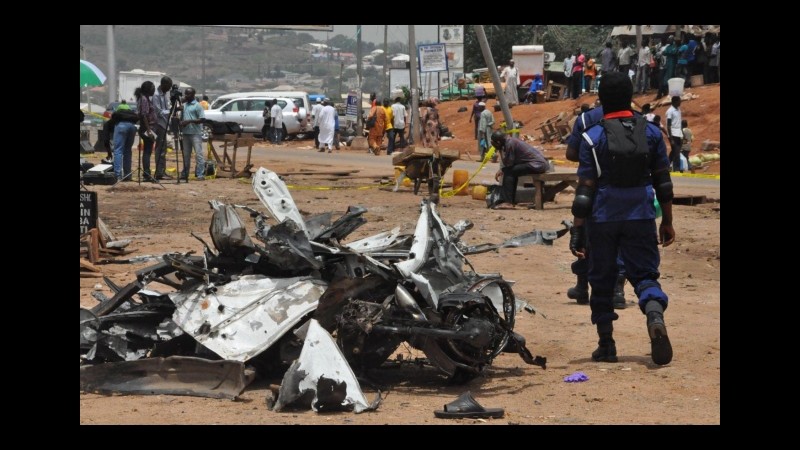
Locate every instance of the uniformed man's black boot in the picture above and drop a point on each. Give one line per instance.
(619, 293)
(607, 348)
(660, 347)
(580, 292)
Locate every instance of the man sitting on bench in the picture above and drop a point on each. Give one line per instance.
(517, 157)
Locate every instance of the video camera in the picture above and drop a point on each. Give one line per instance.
(175, 94)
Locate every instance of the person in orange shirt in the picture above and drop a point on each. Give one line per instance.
(376, 132)
(204, 102)
(589, 74)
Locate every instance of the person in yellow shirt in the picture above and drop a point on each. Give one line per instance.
(204, 102)
(389, 125)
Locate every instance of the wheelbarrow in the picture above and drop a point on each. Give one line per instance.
(429, 169)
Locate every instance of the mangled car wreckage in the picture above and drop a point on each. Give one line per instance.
(247, 300)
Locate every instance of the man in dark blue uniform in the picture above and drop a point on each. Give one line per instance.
(623, 161)
(580, 292)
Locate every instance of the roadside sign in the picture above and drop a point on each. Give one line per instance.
(88, 211)
(351, 112)
(432, 58)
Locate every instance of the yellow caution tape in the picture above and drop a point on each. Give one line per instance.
(694, 175)
(453, 192)
(511, 131)
(99, 116)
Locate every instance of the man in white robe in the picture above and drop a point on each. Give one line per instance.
(327, 124)
(511, 76)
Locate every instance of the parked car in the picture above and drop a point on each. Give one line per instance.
(248, 113)
(113, 107)
(302, 96)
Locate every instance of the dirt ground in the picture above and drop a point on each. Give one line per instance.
(632, 391)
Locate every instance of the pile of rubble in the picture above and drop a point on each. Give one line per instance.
(272, 302)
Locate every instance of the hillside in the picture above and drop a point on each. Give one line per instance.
(177, 50)
(702, 114)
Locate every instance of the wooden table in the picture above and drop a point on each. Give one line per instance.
(548, 193)
(227, 162)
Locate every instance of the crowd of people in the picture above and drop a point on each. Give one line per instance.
(649, 67)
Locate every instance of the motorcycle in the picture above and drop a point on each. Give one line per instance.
(244, 299)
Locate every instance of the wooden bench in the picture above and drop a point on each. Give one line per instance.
(548, 193)
(228, 161)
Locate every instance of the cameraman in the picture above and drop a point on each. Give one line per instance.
(161, 103)
(191, 127)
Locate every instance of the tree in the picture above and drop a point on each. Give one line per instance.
(555, 38)
(501, 38)
(344, 43)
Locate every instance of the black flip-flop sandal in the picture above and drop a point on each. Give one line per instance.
(465, 406)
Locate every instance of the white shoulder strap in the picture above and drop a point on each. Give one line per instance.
(594, 153)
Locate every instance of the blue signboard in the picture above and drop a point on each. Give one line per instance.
(352, 106)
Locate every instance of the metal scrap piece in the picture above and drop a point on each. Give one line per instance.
(176, 375)
(288, 247)
(227, 230)
(323, 370)
(376, 243)
(241, 319)
(275, 196)
(420, 247)
(541, 237)
(349, 222)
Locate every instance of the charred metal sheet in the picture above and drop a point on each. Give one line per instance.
(322, 370)
(241, 319)
(317, 224)
(341, 290)
(376, 243)
(176, 375)
(540, 237)
(345, 225)
(192, 266)
(288, 247)
(275, 196)
(89, 328)
(111, 285)
(123, 295)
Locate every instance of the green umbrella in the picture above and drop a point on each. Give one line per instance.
(91, 75)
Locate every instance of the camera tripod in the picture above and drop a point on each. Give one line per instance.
(174, 124)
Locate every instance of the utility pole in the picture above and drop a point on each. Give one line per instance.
(112, 65)
(341, 71)
(359, 119)
(487, 57)
(203, 67)
(415, 127)
(85, 90)
(385, 60)
(638, 38)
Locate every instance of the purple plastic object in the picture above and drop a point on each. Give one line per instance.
(576, 377)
